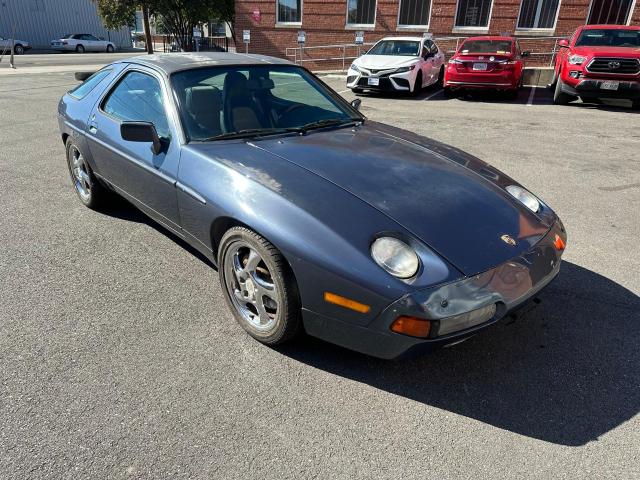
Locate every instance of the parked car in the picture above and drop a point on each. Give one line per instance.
(599, 61)
(82, 42)
(19, 46)
(487, 63)
(397, 64)
(318, 219)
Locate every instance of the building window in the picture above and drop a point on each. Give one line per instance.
(609, 12)
(361, 12)
(538, 14)
(473, 13)
(414, 13)
(289, 11)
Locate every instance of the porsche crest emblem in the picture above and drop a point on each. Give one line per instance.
(508, 240)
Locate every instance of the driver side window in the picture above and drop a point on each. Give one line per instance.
(138, 98)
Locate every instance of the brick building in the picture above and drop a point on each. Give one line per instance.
(274, 23)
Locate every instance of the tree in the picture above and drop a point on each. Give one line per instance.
(122, 13)
(179, 16)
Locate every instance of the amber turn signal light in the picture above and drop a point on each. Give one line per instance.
(559, 243)
(346, 302)
(416, 327)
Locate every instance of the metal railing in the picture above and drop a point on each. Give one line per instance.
(348, 51)
(218, 44)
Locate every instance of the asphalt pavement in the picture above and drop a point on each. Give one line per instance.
(119, 358)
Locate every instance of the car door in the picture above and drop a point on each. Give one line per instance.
(426, 62)
(146, 178)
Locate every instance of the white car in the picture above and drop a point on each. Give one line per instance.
(82, 42)
(401, 64)
(19, 47)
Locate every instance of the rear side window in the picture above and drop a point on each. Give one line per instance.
(138, 97)
(89, 84)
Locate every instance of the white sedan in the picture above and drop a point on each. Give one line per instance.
(19, 46)
(82, 42)
(402, 64)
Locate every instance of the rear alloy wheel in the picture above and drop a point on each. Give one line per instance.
(79, 49)
(18, 49)
(109, 48)
(560, 97)
(417, 86)
(259, 288)
(91, 193)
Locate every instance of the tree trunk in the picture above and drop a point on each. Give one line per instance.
(148, 39)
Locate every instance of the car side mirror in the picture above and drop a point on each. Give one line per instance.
(563, 44)
(356, 103)
(141, 132)
(525, 54)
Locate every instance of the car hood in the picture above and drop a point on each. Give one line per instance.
(447, 199)
(624, 52)
(384, 61)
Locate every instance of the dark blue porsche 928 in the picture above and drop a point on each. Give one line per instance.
(319, 220)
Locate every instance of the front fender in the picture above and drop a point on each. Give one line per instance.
(323, 231)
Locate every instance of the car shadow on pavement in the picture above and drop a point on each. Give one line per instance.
(567, 372)
(121, 209)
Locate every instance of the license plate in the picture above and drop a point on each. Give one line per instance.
(373, 81)
(479, 66)
(56, 44)
(609, 85)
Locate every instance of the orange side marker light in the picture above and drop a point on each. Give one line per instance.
(346, 302)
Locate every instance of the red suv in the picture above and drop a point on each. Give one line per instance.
(600, 61)
(494, 63)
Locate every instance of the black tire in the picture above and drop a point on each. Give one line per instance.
(79, 49)
(18, 49)
(440, 77)
(357, 90)
(560, 97)
(449, 93)
(287, 316)
(110, 49)
(92, 194)
(417, 86)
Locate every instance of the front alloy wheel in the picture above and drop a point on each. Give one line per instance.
(259, 287)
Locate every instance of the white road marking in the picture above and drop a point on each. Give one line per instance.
(531, 95)
(432, 95)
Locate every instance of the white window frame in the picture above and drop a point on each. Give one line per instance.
(629, 15)
(400, 26)
(361, 26)
(537, 30)
(289, 24)
(461, 29)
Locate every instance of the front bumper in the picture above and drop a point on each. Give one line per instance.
(509, 286)
(591, 87)
(396, 82)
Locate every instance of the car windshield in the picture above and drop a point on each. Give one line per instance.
(499, 47)
(406, 48)
(222, 102)
(66, 35)
(609, 38)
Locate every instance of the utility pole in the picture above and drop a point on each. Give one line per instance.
(147, 28)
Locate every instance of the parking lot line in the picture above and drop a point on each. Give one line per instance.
(531, 95)
(344, 91)
(433, 95)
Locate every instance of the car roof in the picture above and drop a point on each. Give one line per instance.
(173, 62)
(494, 37)
(414, 39)
(610, 27)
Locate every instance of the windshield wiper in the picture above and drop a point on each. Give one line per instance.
(327, 122)
(249, 132)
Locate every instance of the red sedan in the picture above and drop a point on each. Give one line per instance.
(493, 63)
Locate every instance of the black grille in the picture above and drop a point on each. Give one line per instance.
(623, 66)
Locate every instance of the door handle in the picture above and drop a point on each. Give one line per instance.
(93, 127)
